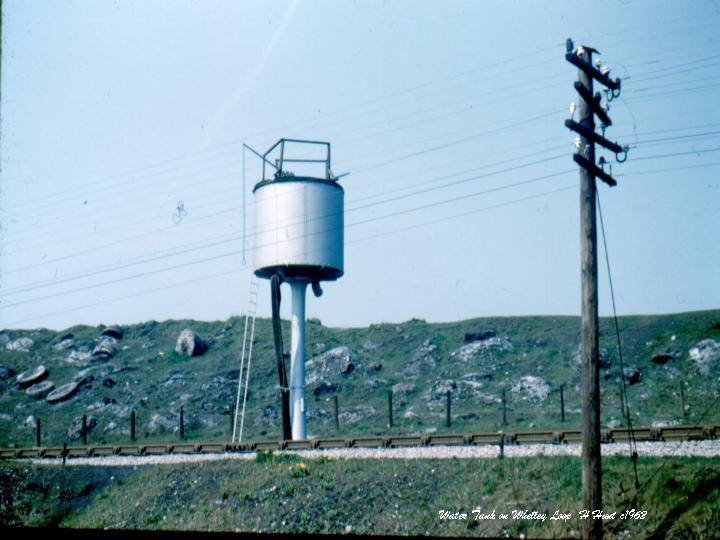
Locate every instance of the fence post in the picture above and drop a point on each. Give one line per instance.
(562, 403)
(335, 413)
(447, 415)
(390, 409)
(504, 408)
(622, 405)
(182, 423)
(83, 429)
(502, 445)
(682, 400)
(37, 432)
(64, 452)
(132, 425)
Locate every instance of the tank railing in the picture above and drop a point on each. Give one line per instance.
(279, 162)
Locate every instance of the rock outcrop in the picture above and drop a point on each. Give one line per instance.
(425, 358)
(74, 432)
(706, 355)
(22, 344)
(632, 375)
(479, 349)
(330, 365)
(530, 388)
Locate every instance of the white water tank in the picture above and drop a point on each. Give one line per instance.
(299, 227)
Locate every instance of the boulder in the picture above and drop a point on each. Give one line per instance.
(189, 343)
(664, 356)
(6, 373)
(22, 344)
(40, 390)
(478, 376)
(105, 349)
(479, 335)
(530, 388)
(146, 327)
(74, 432)
(706, 355)
(31, 376)
(632, 375)
(63, 344)
(81, 355)
(66, 391)
(114, 332)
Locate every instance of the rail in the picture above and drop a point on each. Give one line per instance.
(671, 433)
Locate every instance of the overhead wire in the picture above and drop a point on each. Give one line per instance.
(232, 236)
(375, 218)
(220, 242)
(195, 280)
(548, 48)
(632, 440)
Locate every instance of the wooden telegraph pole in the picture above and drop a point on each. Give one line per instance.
(592, 467)
(588, 107)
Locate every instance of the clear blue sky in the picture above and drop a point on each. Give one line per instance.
(114, 111)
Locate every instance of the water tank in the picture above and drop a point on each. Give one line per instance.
(298, 221)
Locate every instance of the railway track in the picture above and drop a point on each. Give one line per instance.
(642, 434)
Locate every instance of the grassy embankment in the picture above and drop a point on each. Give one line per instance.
(288, 494)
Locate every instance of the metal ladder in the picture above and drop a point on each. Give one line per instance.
(247, 346)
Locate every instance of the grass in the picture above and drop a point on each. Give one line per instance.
(150, 378)
(366, 496)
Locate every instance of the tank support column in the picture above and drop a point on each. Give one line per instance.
(297, 359)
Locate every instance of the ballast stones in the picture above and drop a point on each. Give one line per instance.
(31, 376)
(63, 392)
(40, 390)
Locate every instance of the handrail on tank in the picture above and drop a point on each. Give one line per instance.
(279, 162)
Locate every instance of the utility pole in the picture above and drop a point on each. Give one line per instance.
(588, 107)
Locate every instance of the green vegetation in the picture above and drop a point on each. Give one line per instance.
(148, 376)
(364, 496)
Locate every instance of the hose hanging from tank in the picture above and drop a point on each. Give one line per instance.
(275, 282)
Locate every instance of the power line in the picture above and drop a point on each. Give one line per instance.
(231, 236)
(232, 153)
(632, 442)
(385, 233)
(234, 208)
(235, 252)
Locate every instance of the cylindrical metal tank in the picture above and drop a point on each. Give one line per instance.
(299, 228)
